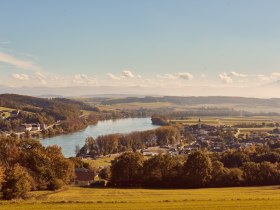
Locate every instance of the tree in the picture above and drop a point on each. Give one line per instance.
(251, 173)
(127, 169)
(198, 169)
(233, 177)
(218, 173)
(234, 159)
(161, 171)
(2, 175)
(105, 173)
(17, 183)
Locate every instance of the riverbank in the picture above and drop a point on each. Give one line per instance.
(68, 142)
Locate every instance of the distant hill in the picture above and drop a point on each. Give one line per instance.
(178, 100)
(21, 101)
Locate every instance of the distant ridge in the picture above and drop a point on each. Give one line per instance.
(192, 100)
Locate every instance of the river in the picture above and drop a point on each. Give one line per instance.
(68, 142)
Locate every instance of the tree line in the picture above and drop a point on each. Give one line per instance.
(197, 170)
(116, 143)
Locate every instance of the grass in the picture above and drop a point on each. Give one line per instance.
(101, 162)
(5, 108)
(73, 198)
(7, 111)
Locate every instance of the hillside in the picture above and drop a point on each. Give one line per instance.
(42, 110)
(28, 102)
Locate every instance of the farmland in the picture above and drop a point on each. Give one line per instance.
(91, 198)
(230, 121)
(6, 111)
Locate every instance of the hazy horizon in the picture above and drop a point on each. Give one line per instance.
(184, 48)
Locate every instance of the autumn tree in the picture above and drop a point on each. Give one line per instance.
(17, 184)
(127, 169)
(198, 169)
(161, 171)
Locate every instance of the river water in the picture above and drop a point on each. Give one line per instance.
(68, 142)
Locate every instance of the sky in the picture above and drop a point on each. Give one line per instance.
(165, 47)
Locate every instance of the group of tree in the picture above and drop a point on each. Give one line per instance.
(160, 120)
(26, 165)
(116, 143)
(198, 169)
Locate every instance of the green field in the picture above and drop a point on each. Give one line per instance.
(101, 162)
(230, 121)
(75, 198)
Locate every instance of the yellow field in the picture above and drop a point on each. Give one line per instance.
(254, 198)
(6, 111)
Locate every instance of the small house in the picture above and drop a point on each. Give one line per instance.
(83, 177)
(26, 127)
(14, 113)
(36, 127)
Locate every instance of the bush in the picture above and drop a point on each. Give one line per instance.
(17, 183)
(56, 184)
(99, 184)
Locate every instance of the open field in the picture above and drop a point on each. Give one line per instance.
(6, 111)
(229, 120)
(108, 199)
(5, 108)
(137, 105)
(101, 162)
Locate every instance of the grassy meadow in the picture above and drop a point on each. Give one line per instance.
(74, 198)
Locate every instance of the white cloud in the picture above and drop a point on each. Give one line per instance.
(225, 78)
(235, 74)
(22, 77)
(186, 76)
(22, 64)
(275, 75)
(263, 77)
(84, 80)
(167, 76)
(112, 76)
(127, 74)
(41, 77)
(228, 77)
(179, 75)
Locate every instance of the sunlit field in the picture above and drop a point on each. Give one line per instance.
(138, 199)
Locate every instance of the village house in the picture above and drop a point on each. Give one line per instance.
(83, 177)
(36, 127)
(14, 113)
(25, 127)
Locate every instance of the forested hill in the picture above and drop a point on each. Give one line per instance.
(28, 102)
(57, 108)
(191, 100)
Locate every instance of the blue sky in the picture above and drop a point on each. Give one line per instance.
(179, 43)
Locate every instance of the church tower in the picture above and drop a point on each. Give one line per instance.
(199, 123)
